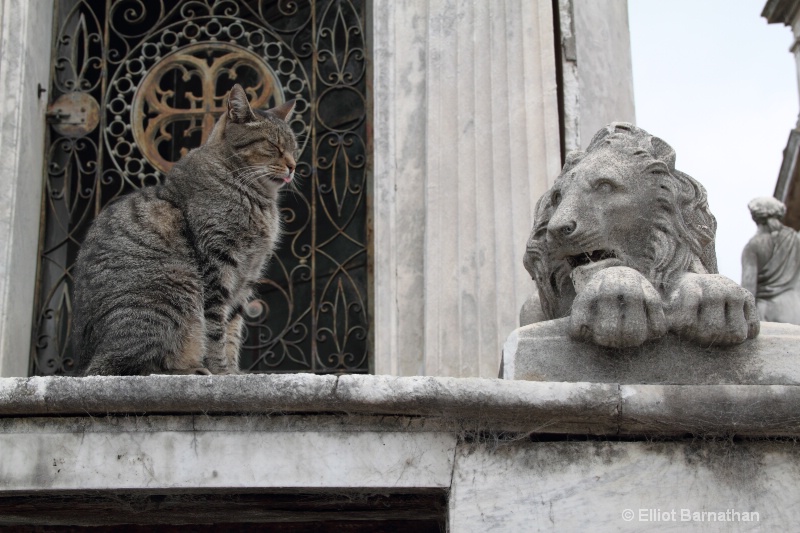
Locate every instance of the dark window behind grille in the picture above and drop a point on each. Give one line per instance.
(137, 84)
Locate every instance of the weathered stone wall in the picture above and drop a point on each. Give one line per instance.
(466, 140)
(604, 64)
(597, 70)
(499, 451)
(625, 486)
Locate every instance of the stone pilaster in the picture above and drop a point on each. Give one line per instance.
(25, 27)
(466, 139)
(596, 68)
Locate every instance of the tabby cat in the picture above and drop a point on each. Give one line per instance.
(164, 273)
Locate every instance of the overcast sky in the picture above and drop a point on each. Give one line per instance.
(718, 83)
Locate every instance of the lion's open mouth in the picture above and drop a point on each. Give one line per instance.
(590, 257)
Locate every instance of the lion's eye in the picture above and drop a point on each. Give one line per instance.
(604, 186)
(659, 169)
(555, 199)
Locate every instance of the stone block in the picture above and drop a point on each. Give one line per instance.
(160, 453)
(625, 486)
(460, 404)
(486, 404)
(545, 352)
(710, 410)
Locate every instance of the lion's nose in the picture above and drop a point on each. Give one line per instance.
(564, 229)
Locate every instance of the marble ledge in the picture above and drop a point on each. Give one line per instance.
(449, 404)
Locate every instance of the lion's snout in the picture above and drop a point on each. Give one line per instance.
(562, 230)
(563, 226)
(562, 236)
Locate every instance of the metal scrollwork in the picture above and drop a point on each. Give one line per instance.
(158, 109)
(159, 71)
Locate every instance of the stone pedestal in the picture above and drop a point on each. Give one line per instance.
(474, 454)
(544, 352)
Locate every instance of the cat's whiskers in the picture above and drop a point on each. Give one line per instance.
(247, 176)
(243, 188)
(292, 187)
(266, 170)
(248, 167)
(248, 171)
(250, 178)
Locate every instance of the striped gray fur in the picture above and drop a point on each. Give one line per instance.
(164, 273)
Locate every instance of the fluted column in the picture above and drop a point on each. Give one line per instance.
(465, 141)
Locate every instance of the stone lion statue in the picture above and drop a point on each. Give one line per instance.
(623, 244)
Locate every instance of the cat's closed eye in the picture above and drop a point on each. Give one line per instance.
(275, 146)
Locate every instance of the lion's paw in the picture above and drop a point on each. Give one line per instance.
(617, 308)
(712, 309)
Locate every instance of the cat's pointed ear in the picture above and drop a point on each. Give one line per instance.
(238, 107)
(284, 111)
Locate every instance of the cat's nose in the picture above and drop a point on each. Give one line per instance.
(291, 165)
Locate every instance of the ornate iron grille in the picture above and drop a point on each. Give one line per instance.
(137, 83)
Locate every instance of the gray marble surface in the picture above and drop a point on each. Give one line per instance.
(544, 351)
(509, 455)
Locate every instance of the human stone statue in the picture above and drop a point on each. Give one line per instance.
(771, 263)
(623, 245)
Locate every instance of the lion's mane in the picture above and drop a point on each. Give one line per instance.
(682, 239)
